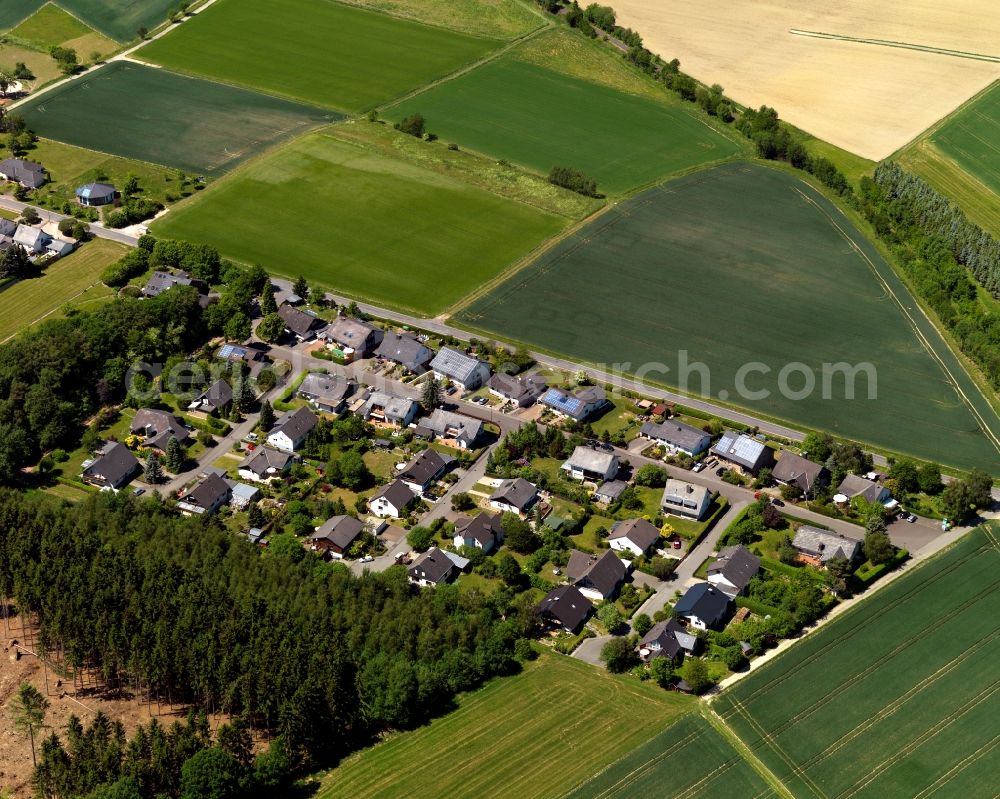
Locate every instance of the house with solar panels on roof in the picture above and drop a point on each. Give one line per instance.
(744, 451)
(578, 406)
(94, 195)
(467, 371)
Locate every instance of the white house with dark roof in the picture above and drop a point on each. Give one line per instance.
(351, 338)
(685, 499)
(514, 496)
(704, 606)
(587, 463)
(114, 467)
(424, 469)
(733, 569)
(326, 393)
(482, 532)
(292, 429)
(522, 391)
(391, 500)
(386, 409)
(298, 323)
(677, 437)
(406, 350)
(667, 639)
(744, 451)
(210, 494)
(466, 370)
(579, 405)
(597, 576)
(264, 464)
(157, 428)
(214, 400)
(462, 431)
(635, 536)
(432, 568)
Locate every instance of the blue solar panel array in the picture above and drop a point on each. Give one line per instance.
(561, 401)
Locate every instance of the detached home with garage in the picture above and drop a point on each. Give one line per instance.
(744, 451)
(597, 577)
(634, 536)
(817, 547)
(27, 173)
(326, 393)
(216, 400)
(704, 606)
(677, 437)
(667, 639)
(265, 464)
(733, 570)
(114, 467)
(210, 494)
(469, 372)
(157, 427)
(454, 428)
(514, 496)
(685, 499)
(424, 469)
(432, 568)
(803, 474)
(481, 532)
(391, 500)
(587, 463)
(292, 430)
(298, 323)
(522, 391)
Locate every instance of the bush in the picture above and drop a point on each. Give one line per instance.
(573, 180)
(617, 654)
(412, 125)
(420, 538)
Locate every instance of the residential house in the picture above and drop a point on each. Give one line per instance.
(93, 195)
(565, 608)
(432, 568)
(8, 227)
(424, 469)
(733, 569)
(162, 281)
(794, 470)
(59, 247)
(335, 535)
(32, 239)
(482, 532)
(817, 546)
(252, 358)
(667, 639)
(454, 428)
(704, 606)
(467, 371)
(391, 500)
(587, 463)
(243, 496)
(580, 405)
(388, 410)
(298, 323)
(215, 401)
(265, 464)
(635, 536)
(744, 451)
(514, 496)
(597, 577)
(609, 492)
(27, 173)
(677, 437)
(406, 350)
(114, 467)
(522, 391)
(685, 499)
(326, 393)
(856, 486)
(157, 428)
(292, 429)
(351, 338)
(210, 494)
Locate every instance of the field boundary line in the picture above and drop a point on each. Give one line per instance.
(958, 768)
(927, 735)
(991, 436)
(49, 313)
(746, 752)
(922, 48)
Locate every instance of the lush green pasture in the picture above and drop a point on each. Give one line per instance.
(497, 19)
(745, 265)
(318, 51)
(120, 19)
(13, 12)
(154, 115)
(971, 138)
(538, 117)
(29, 301)
(534, 735)
(420, 240)
(689, 758)
(896, 697)
(49, 26)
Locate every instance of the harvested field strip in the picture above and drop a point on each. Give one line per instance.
(923, 48)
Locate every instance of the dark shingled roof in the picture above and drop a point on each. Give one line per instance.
(397, 493)
(299, 322)
(566, 606)
(517, 492)
(484, 528)
(424, 467)
(157, 427)
(434, 565)
(295, 424)
(704, 601)
(114, 466)
(406, 350)
(639, 531)
(796, 470)
(341, 531)
(737, 564)
(603, 573)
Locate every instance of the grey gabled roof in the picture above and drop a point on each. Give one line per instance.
(265, 460)
(639, 531)
(566, 605)
(704, 601)
(517, 492)
(795, 469)
(396, 493)
(603, 572)
(684, 494)
(856, 486)
(742, 449)
(483, 528)
(114, 464)
(393, 407)
(27, 172)
(406, 350)
(339, 530)
(677, 434)
(825, 544)
(425, 466)
(669, 635)
(465, 428)
(158, 427)
(456, 365)
(218, 395)
(209, 491)
(591, 460)
(299, 322)
(332, 389)
(433, 565)
(737, 564)
(350, 332)
(611, 489)
(161, 281)
(296, 424)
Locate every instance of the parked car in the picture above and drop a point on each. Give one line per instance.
(720, 471)
(251, 437)
(676, 543)
(367, 559)
(139, 491)
(910, 518)
(777, 502)
(697, 467)
(607, 447)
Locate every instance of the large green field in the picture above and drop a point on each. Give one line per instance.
(539, 117)
(118, 19)
(896, 697)
(420, 240)
(689, 759)
(154, 115)
(497, 19)
(533, 736)
(74, 279)
(13, 12)
(318, 51)
(744, 265)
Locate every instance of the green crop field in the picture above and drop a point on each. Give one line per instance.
(51, 26)
(28, 301)
(896, 697)
(154, 115)
(533, 736)
(13, 12)
(117, 19)
(689, 758)
(419, 241)
(743, 265)
(497, 19)
(539, 117)
(318, 51)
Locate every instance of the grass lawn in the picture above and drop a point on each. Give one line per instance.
(420, 241)
(528, 114)
(691, 530)
(743, 265)
(380, 462)
(689, 759)
(496, 738)
(588, 539)
(621, 418)
(895, 697)
(70, 167)
(29, 301)
(165, 118)
(51, 26)
(42, 66)
(317, 51)
(495, 19)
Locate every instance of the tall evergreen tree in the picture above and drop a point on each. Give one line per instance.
(431, 397)
(267, 303)
(266, 417)
(153, 473)
(175, 455)
(27, 712)
(245, 396)
(300, 287)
